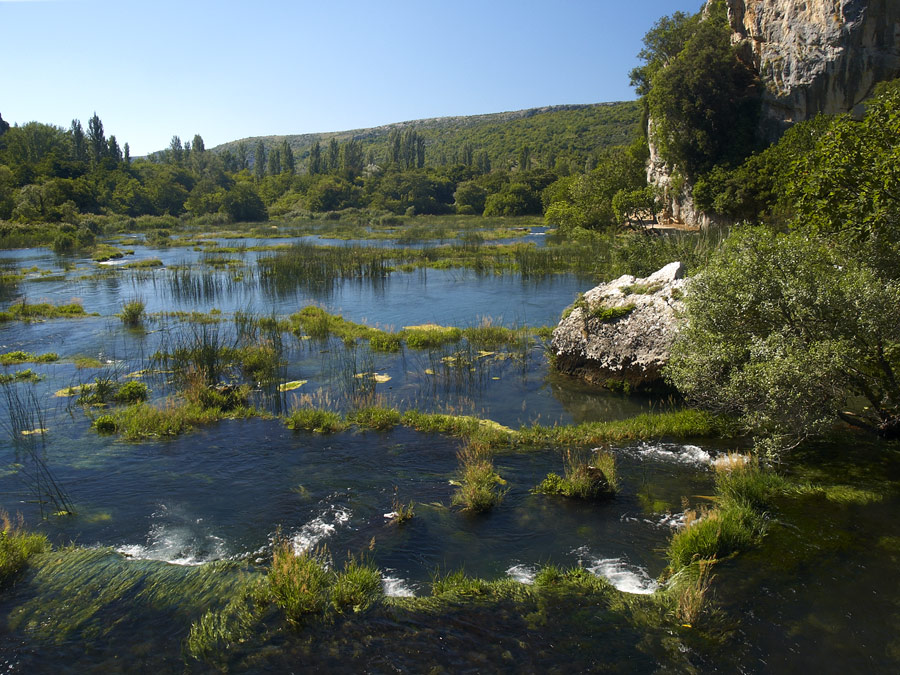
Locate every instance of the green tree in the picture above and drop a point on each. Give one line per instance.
(287, 158)
(334, 155)
(469, 198)
(704, 104)
(96, 139)
(315, 160)
(176, 151)
(259, 160)
(274, 164)
(662, 44)
(243, 204)
(789, 334)
(79, 149)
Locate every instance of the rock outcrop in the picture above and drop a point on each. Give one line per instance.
(619, 334)
(811, 56)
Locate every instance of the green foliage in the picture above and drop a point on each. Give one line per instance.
(22, 311)
(132, 313)
(26, 375)
(477, 491)
(18, 356)
(298, 583)
(380, 419)
(457, 583)
(132, 392)
(715, 533)
(610, 314)
(704, 103)
(357, 586)
(786, 332)
(16, 547)
(662, 45)
(586, 477)
(312, 419)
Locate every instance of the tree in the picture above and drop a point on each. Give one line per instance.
(259, 160)
(76, 133)
(469, 198)
(790, 334)
(334, 155)
(243, 204)
(352, 158)
(176, 151)
(662, 44)
(704, 104)
(274, 164)
(315, 160)
(113, 151)
(126, 151)
(287, 158)
(4, 126)
(96, 139)
(523, 161)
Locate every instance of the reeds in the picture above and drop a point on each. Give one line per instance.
(17, 546)
(132, 313)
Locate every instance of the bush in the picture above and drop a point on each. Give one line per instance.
(132, 392)
(132, 313)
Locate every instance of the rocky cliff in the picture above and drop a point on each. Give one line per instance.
(811, 56)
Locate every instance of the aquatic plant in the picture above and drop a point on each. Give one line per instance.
(17, 357)
(26, 427)
(357, 586)
(17, 546)
(586, 477)
(689, 589)
(132, 392)
(488, 335)
(457, 583)
(313, 419)
(713, 533)
(477, 491)
(429, 336)
(375, 417)
(26, 375)
(132, 313)
(104, 252)
(299, 583)
(743, 480)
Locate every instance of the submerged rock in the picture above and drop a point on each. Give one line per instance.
(619, 334)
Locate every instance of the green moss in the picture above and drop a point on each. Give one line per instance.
(610, 314)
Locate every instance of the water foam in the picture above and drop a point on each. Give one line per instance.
(673, 452)
(524, 574)
(177, 540)
(395, 587)
(320, 527)
(623, 575)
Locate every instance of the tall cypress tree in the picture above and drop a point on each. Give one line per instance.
(79, 150)
(259, 160)
(287, 158)
(315, 159)
(96, 139)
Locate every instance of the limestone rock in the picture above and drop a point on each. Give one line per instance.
(620, 333)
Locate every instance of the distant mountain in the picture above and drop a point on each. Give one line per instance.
(570, 132)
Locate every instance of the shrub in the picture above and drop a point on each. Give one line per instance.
(385, 342)
(105, 424)
(132, 313)
(132, 392)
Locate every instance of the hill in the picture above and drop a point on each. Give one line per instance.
(569, 132)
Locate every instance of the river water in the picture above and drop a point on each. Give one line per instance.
(169, 528)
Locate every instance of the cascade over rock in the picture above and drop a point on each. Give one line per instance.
(811, 56)
(628, 347)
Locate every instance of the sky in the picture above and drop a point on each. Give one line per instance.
(228, 69)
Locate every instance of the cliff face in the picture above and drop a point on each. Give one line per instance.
(811, 56)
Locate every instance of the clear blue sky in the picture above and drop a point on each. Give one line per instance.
(227, 69)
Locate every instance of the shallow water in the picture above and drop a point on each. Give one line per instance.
(173, 527)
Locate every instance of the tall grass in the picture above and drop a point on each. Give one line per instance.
(478, 490)
(17, 546)
(586, 476)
